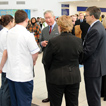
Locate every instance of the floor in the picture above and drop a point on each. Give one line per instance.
(40, 92)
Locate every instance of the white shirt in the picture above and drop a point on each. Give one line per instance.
(21, 45)
(44, 25)
(3, 46)
(93, 23)
(52, 25)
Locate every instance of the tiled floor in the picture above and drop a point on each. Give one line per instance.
(40, 92)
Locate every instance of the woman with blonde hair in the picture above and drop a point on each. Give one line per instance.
(62, 62)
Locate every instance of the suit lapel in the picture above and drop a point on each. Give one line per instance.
(89, 31)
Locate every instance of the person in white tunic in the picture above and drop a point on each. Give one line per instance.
(22, 55)
(7, 22)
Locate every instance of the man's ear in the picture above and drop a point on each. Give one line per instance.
(27, 19)
(93, 16)
(54, 17)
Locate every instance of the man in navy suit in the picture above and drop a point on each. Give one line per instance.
(94, 56)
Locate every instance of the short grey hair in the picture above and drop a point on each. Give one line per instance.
(49, 11)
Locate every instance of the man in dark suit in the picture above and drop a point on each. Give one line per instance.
(47, 33)
(80, 20)
(83, 25)
(94, 56)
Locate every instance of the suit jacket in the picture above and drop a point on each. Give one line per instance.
(62, 59)
(78, 22)
(95, 51)
(84, 28)
(1, 27)
(46, 36)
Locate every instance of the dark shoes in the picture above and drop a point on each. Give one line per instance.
(104, 99)
(45, 100)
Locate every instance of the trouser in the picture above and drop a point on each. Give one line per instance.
(56, 92)
(93, 90)
(21, 93)
(4, 92)
(103, 90)
(46, 80)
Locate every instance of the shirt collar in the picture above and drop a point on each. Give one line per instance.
(20, 26)
(5, 28)
(81, 20)
(94, 23)
(53, 25)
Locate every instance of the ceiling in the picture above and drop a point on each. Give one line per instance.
(81, 1)
(88, 0)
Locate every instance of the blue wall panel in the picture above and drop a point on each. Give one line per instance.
(12, 12)
(64, 9)
(84, 9)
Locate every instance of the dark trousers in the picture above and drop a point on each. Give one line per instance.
(21, 93)
(56, 94)
(103, 90)
(46, 80)
(4, 92)
(93, 90)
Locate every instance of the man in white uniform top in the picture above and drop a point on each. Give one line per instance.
(22, 55)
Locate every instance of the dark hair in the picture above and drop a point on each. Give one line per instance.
(20, 16)
(94, 11)
(38, 17)
(76, 15)
(5, 20)
(103, 16)
(33, 18)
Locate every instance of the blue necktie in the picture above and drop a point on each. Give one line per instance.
(89, 29)
(86, 34)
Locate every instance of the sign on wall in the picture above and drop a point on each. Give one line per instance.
(64, 9)
(12, 12)
(84, 9)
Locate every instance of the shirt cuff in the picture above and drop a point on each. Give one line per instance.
(35, 50)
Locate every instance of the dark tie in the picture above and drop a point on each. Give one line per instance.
(50, 29)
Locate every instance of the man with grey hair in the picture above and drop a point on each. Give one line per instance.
(47, 33)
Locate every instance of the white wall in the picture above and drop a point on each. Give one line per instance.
(73, 9)
(37, 7)
(43, 5)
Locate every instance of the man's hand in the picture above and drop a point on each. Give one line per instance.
(44, 43)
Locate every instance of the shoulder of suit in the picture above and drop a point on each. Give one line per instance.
(45, 28)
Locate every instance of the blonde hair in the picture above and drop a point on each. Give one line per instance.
(104, 22)
(65, 23)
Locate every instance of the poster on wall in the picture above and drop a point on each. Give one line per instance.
(64, 9)
(12, 12)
